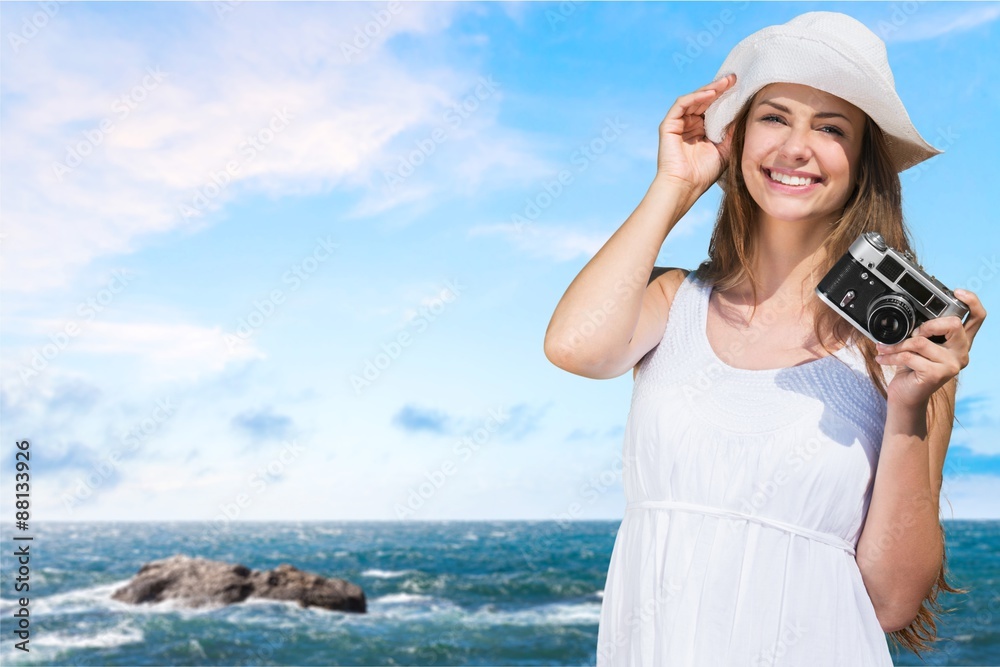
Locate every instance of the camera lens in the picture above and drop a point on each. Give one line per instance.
(890, 319)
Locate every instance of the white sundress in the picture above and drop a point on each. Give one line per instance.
(746, 492)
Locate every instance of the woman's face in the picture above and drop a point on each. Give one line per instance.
(796, 130)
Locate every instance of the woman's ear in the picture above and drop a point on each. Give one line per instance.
(726, 145)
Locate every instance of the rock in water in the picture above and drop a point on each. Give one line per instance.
(198, 582)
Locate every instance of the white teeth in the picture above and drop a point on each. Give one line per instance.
(790, 180)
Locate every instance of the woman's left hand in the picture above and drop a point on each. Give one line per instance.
(925, 366)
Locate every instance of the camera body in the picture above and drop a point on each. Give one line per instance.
(884, 294)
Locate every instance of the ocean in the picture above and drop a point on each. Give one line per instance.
(438, 593)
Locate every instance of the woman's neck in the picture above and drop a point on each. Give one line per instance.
(787, 256)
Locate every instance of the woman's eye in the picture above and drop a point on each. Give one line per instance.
(834, 128)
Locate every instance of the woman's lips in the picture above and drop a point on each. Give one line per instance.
(789, 189)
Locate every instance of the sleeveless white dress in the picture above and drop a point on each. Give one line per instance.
(746, 494)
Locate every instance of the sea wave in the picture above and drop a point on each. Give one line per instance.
(78, 600)
(386, 574)
(121, 634)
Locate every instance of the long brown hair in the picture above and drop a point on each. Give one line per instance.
(875, 204)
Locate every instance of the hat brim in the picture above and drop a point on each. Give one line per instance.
(774, 57)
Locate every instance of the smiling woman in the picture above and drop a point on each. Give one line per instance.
(782, 482)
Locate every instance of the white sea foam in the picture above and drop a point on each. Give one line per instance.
(386, 574)
(119, 635)
(556, 613)
(402, 598)
(197, 649)
(74, 601)
(410, 607)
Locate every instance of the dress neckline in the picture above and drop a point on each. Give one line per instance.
(705, 290)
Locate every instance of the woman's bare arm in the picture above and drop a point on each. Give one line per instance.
(609, 318)
(610, 315)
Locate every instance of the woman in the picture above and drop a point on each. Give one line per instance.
(757, 531)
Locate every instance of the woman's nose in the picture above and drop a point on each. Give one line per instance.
(796, 144)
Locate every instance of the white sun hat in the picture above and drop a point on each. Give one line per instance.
(829, 51)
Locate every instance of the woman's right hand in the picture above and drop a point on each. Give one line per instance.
(686, 156)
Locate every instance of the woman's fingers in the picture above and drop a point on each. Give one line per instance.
(697, 102)
(686, 104)
(977, 313)
(950, 327)
(720, 84)
(921, 345)
(952, 355)
(910, 360)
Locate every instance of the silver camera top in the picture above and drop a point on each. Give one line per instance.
(903, 275)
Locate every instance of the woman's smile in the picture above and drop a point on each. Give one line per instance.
(790, 184)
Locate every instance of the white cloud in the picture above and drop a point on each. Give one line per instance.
(171, 351)
(696, 219)
(901, 24)
(164, 119)
(165, 352)
(557, 243)
(970, 497)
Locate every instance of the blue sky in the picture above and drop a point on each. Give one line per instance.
(259, 264)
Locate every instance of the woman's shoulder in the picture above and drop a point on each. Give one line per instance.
(669, 280)
(674, 274)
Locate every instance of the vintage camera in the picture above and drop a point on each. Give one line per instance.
(885, 294)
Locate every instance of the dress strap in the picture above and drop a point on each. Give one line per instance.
(825, 538)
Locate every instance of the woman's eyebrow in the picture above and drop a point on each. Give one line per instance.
(821, 114)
